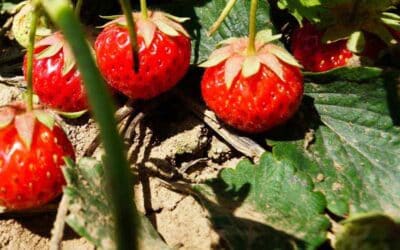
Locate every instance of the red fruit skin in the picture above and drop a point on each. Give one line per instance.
(162, 64)
(313, 54)
(32, 177)
(253, 104)
(316, 56)
(65, 93)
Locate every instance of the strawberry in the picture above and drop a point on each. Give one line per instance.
(56, 79)
(32, 147)
(164, 54)
(308, 48)
(349, 33)
(255, 92)
(316, 56)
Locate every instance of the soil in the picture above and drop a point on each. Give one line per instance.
(167, 144)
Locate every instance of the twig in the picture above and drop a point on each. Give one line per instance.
(185, 167)
(179, 187)
(124, 111)
(120, 115)
(57, 232)
(243, 144)
(130, 131)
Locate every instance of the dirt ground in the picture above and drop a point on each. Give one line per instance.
(167, 143)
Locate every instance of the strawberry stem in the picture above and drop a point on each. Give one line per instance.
(251, 47)
(143, 8)
(78, 7)
(221, 18)
(31, 47)
(127, 9)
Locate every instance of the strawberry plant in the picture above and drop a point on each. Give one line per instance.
(239, 124)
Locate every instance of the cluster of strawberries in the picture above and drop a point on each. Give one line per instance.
(252, 90)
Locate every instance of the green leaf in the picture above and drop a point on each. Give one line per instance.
(204, 13)
(381, 31)
(308, 9)
(268, 205)
(90, 214)
(354, 151)
(337, 33)
(369, 232)
(357, 74)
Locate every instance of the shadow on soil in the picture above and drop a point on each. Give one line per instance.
(41, 225)
(241, 233)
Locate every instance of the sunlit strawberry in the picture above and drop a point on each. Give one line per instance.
(32, 148)
(56, 79)
(164, 54)
(252, 92)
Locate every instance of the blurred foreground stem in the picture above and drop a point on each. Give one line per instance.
(116, 166)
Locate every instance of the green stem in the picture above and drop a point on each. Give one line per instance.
(29, 66)
(117, 171)
(78, 7)
(143, 9)
(221, 18)
(251, 47)
(127, 9)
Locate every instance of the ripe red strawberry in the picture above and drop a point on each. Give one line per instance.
(252, 93)
(313, 54)
(316, 56)
(56, 79)
(164, 55)
(22, 24)
(32, 148)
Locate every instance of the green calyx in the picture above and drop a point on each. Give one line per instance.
(156, 20)
(21, 25)
(54, 44)
(24, 121)
(233, 52)
(45, 118)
